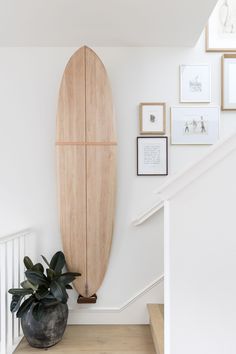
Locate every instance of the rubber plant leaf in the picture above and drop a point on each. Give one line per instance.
(28, 263)
(19, 291)
(38, 267)
(25, 306)
(26, 284)
(38, 311)
(36, 278)
(15, 302)
(45, 260)
(59, 291)
(58, 262)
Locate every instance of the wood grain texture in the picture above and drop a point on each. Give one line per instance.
(71, 166)
(134, 339)
(100, 197)
(86, 160)
(100, 125)
(156, 313)
(71, 103)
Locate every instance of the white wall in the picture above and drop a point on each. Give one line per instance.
(202, 263)
(29, 83)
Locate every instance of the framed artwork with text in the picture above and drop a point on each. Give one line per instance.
(152, 156)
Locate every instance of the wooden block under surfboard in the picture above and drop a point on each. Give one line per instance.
(86, 165)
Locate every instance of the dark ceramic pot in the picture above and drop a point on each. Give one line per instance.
(49, 330)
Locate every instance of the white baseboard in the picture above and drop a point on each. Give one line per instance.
(12, 348)
(133, 311)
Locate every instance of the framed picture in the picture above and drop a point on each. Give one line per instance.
(195, 83)
(228, 86)
(221, 28)
(152, 156)
(152, 118)
(195, 125)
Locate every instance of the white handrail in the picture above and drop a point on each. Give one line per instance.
(14, 236)
(12, 252)
(148, 213)
(182, 179)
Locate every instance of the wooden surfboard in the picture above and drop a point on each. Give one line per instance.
(86, 164)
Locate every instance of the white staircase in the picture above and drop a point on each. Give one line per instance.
(13, 248)
(175, 183)
(200, 254)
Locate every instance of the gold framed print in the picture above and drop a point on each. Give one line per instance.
(152, 118)
(228, 85)
(221, 28)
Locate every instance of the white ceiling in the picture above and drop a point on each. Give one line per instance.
(102, 22)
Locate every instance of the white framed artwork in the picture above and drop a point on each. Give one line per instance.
(152, 156)
(195, 125)
(152, 118)
(221, 28)
(228, 88)
(195, 83)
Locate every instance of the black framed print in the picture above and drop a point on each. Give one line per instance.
(152, 156)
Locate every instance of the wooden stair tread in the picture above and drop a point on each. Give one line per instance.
(99, 339)
(156, 313)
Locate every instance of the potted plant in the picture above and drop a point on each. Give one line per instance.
(41, 302)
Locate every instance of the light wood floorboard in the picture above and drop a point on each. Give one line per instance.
(156, 313)
(102, 339)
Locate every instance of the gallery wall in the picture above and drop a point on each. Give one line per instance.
(30, 79)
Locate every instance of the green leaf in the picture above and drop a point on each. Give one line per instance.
(58, 262)
(50, 273)
(45, 260)
(66, 278)
(28, 263)
(59, 291)
(38, 267)
(50, 297)
(69, 287)
(38, 311)
(41, 293)
(15, 303)
(19, 291)
(36, 278)
(25, 306)
(26, 284)
(75, 274)
(50, 302)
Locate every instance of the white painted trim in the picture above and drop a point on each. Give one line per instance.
(125, 305)
(11, 274)
(149, 212)
(13, 347)
(176, 183)
(16, 235)
(167, 320)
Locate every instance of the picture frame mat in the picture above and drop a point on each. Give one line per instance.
(211, 27)
(165, 139)
(224, 107)
(208, 100)
(192, 107)
(150, 132)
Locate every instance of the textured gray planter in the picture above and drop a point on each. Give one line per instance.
(49, 330)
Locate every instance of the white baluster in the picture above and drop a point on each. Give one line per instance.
(16, 283)
(9, 274)
(21, 267)
(12, 252)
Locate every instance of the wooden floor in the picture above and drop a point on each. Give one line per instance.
(156, 314)
(108, 339)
